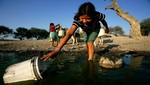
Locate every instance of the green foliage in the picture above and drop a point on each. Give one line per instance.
(145, 27)
(117, 31)
(21, 33)
(43, 33)
(38, 33)
(5, 30)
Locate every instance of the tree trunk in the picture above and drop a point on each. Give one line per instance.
(135, 31)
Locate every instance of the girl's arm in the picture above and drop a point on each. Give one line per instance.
(106, 26)
(67, 37)
(61, 44)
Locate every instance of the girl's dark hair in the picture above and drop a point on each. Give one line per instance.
(51, 24)
(86, 8)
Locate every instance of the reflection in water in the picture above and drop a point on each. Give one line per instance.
(91, 76)
(126, 59)
(30, 82)
(7, 57)
(134, 62)
(74, 69)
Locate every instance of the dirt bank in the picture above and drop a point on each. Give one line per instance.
(113, 43)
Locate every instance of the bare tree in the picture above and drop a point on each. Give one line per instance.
(135, 31)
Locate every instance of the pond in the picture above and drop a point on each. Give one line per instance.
(72, 68)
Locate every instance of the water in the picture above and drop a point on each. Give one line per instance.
(74, 69)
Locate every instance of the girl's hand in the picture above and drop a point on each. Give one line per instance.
(49, 55)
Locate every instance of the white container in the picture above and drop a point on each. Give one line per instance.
(27, 70)
(101, 32)
(61, 33)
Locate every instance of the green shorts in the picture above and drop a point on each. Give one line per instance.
(90, 37)
(53, 36)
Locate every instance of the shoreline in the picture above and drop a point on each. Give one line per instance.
(112, 43)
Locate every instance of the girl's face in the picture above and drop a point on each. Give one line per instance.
(85, 19)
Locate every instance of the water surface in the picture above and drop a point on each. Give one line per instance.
(74, 69)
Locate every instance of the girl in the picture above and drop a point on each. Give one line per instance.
(88, 19)
(53, 34)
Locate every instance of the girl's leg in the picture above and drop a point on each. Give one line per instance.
(90, 40)
(52, 43)
(90, 49)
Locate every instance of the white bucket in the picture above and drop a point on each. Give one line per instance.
(61, 33)
(27, 70)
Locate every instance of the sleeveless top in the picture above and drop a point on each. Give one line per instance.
(94, 24)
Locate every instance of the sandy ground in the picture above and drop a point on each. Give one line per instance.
(114, 43)
(130, 44)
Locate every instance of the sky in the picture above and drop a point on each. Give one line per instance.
(40, 13)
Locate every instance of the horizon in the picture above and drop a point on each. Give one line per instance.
(39, 14)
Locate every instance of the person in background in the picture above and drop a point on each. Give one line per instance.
(89, 20)
(53, 35)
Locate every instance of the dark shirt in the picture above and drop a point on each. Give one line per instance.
(94, 24)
